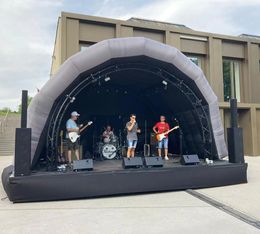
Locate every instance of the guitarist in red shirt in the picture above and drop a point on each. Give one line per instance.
(161, 127)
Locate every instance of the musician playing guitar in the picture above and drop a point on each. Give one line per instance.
(159, 128)
(73, 134)
(72, 126)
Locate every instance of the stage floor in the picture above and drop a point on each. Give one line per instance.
(109, 178)
(116, 165)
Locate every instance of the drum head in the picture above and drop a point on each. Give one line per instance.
(109, 151)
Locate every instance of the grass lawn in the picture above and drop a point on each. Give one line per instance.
(3, 113)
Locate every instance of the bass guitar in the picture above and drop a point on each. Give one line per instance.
(73, 136)
(161, 136)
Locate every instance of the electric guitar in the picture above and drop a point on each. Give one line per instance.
(73, 136)
(161, 136)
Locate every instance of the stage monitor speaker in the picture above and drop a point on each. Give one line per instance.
(85, 164)
(190, 159)
(132, 162)
(153, 161)
(235, 145)
(22, 159)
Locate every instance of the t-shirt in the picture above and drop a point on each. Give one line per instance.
(132, 135)
(70, 124)
(162, 127)
(107, 135)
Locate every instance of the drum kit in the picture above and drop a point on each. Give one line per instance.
(109, 148)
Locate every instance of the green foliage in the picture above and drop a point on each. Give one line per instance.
(4, 109)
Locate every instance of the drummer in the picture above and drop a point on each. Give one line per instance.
(107, 134)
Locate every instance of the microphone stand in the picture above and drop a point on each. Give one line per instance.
(146, 146)
(120, 146)
(180, 138)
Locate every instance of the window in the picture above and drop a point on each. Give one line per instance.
(85, 45)
(196, 59)
(231, 79)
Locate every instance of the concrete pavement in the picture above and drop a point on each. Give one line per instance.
(243, 197)
(171, 212)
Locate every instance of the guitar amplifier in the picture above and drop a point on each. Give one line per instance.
(153, 140)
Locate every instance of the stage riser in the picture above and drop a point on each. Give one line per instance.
(132, 181)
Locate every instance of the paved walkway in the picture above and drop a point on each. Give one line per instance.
(171, 212)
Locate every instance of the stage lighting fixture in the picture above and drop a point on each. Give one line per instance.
(72, 99)
(107, 79)
(164, 82)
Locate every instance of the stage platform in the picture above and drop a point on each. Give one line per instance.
(109, 178)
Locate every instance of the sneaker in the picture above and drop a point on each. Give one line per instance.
(166, 158)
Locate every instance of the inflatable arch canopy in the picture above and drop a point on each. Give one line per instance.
(121, 48)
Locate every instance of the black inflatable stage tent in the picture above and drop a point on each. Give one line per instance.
(105, 83)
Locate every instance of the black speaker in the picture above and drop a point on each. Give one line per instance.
(153, 161)
(233, 112)
(190, 159)
(85, 164)
(134, 162)
(22, 158)
(235, 145)
(24, 108)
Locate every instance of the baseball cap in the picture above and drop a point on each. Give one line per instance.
(75, 113)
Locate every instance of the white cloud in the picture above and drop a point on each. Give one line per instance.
(26, 37)
(27, 30)
(219, 16)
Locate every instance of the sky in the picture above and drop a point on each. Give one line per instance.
(28, 27)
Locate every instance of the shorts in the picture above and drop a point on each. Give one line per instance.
(131, 144)
(163, 143)
(73, 145)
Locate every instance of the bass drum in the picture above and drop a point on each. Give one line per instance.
(109, 151)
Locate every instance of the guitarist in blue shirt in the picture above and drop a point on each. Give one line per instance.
(72, 126)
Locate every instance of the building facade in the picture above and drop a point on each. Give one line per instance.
(231, 64)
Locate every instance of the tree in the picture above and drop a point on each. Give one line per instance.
(4, 109)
